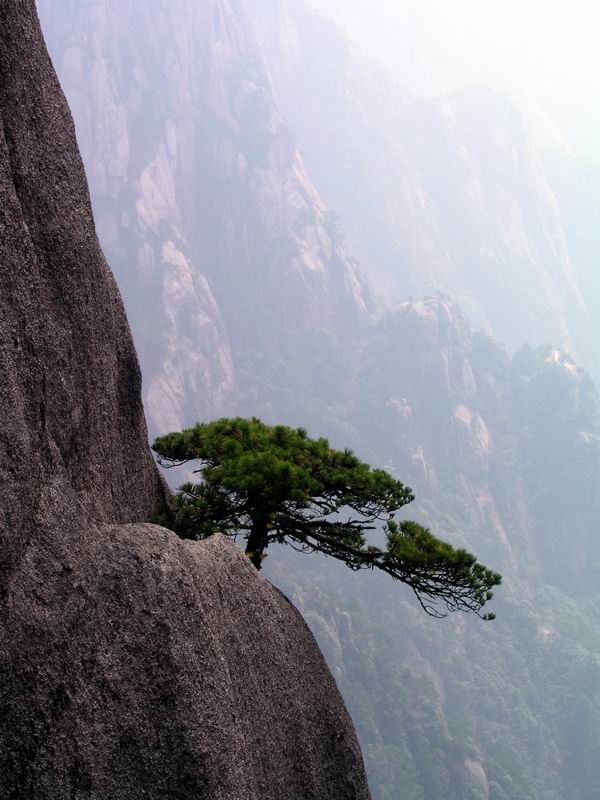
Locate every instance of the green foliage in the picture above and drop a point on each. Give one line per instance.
(273, 484)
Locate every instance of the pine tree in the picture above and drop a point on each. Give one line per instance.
(273, 484)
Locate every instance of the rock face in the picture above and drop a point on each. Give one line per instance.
(73, 434)
(131, 664)
(170, 671)
(202, 200)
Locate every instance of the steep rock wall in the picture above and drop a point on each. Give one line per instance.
(203, 201)
(131, 664)
(73, 433)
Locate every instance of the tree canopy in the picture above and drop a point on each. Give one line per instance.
(273, 484)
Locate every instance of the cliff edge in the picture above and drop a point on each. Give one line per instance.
(131, 664)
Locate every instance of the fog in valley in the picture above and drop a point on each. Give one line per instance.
(380, 221)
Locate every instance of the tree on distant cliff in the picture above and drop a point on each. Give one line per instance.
(275, 485)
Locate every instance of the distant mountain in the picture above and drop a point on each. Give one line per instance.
(504, 457)
(453, 194)
(203, 203)
(548, 61)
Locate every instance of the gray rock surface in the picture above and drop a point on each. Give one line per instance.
(73, 436)
(156, 668)
(131, 664)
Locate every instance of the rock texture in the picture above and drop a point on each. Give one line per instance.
(159, 669)
(131, 664)
(73, 435)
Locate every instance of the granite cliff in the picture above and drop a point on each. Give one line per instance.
(131, 664)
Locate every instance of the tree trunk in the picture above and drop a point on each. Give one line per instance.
(257, 541)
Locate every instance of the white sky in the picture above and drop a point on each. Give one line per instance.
(551, 46)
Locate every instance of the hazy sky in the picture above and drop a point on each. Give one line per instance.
(551, 46)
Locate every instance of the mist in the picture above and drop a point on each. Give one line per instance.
(546, 49)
